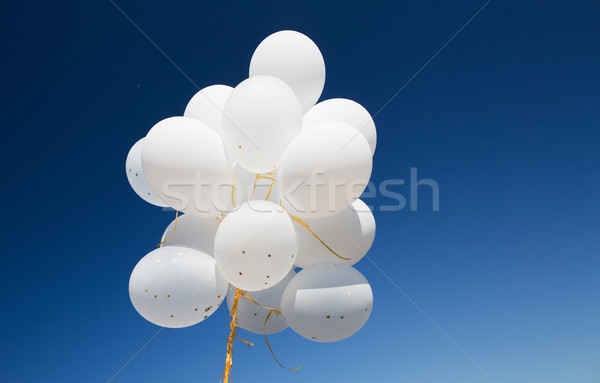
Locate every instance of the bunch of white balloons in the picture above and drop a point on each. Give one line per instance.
(269, 183)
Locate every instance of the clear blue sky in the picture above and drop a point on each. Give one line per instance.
(505, 119)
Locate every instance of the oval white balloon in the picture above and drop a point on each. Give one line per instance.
(207, 105)
(255, 186)
(136, 177)
(295, 59)
(350, 233)
(344, 110)
(252, 317)
(263, 116)
(193, 232)
(186, 166)
(324, 170)
(327, 302)
(256, 245)
(176, 287)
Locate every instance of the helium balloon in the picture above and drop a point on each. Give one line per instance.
(324, 170)
(176, 287)
(256, 245)
(350, 233)
(255, 186)
(192, 232)
(136, 178)
(344, 110)
(263, 116)
(327, 302)
(207, 105)
(252, 317)
(186, 166)
(295, 59)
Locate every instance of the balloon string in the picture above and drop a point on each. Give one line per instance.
(232, 187)
(245, 341)
(274, 172)
(258, 176)
(270, 189)
(270, 349)
(277, 312)
(174, 230)
(267, 178)
(301, 222)
(254, 188)
(232, 336)
(271, 311)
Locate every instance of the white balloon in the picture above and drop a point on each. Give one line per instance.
(256, 245)
(255, 186)
(207, 105)
(327, 302)
(186, 166)
(324, 170)
(175, 287)
(350, 233)
(252, 317)
(263, 116)
(344, 110)
(294, 58)
(193, 232)
(136, 178)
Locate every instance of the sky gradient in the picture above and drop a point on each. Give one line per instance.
(505, 119)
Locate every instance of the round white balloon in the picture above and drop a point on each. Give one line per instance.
(324, 170)
(186, 166)
(207, 105)
(344, 110)
(255, 186)
(252, 317)
(136, 177)
(295, 59)
(262, 116)
(256, 245)
(176, 286)
(327, 302)
(193, 232)
(350, 233)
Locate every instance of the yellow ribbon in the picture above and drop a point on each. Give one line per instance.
(258, 176)
(271, 311)
(232, 187)
(174, 230)
(267, 178)
(259, 305)
(254, 187)
(232, 336)
(301, 222)
(245, 341)
(270, 349)
(270, 189)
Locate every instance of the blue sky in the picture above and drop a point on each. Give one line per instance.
(505, 119)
